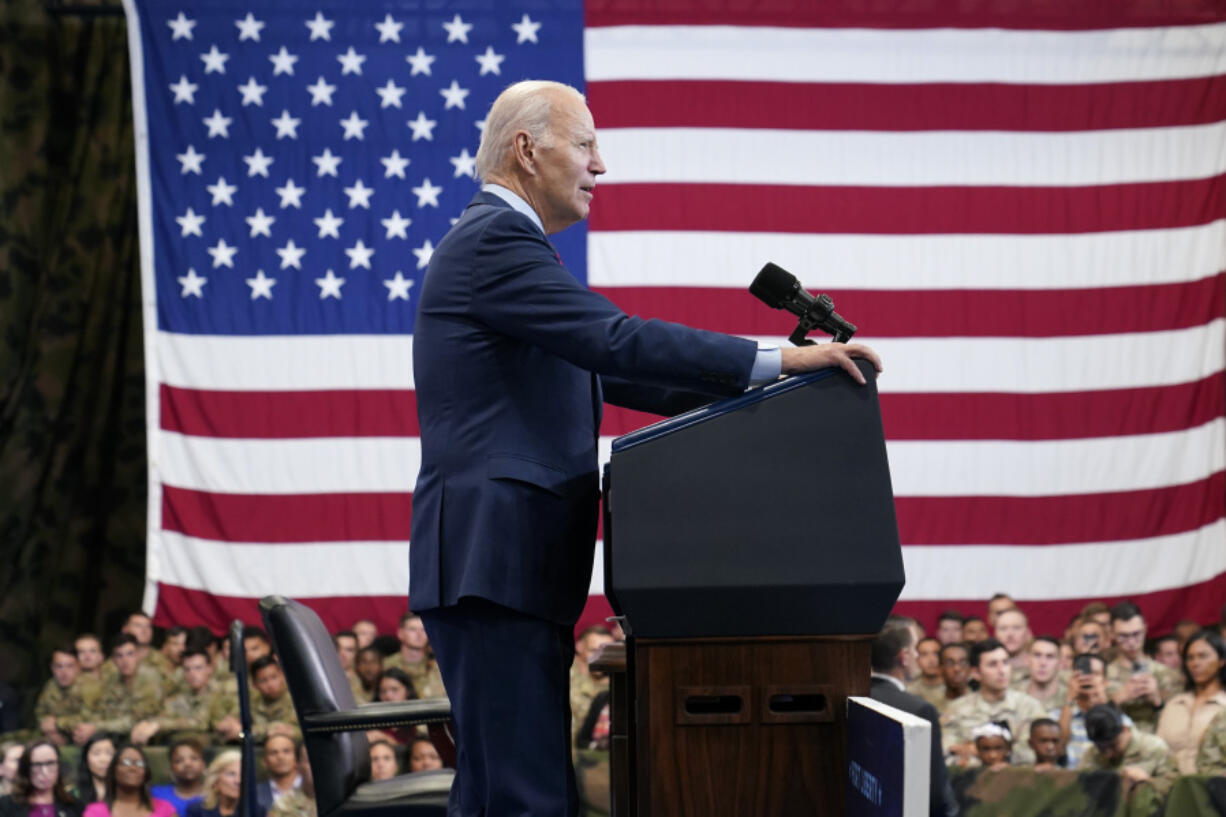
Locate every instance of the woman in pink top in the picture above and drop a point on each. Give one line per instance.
(1186, 716)
(127, 789)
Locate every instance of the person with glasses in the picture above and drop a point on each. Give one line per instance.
(127, 789)
(38, 790)
(955, 672)
(1136, 683)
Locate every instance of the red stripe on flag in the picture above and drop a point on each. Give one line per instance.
(945, 313)
(289, 414)
(1163, 609)
(882, 107)
(1053, 520)
(359, 517)
(908, 210)
(1008, 14)
(1048, 416)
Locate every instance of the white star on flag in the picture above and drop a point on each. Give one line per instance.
(327, 162)
(184, 91)
(190, 223)
(181, 27)
(193, 284)
(355, 127)
(222, 193)
(427, 194)
(283, 62)
(359, 255)
(454, 95)
(457, 29)
(260, 223)
(423, 254)
(214, 61)
(390, 94)
(465, 165)
(490, 62)
(351, 62)
(257, 164)
(525, 30)
(253, 92)
(389, 30)
(394, 165)
(396, 225)
(223, 254)
(249, 28)
(359, 195)
(291, 255)
(321, 92)
(423, 128)
(261, 285)
(218, 125)
(291, 194)
(398, 287)
(330, 286)
(286, 125)
(191, 161)
(321, 28)
(420, 61)
(328, 224)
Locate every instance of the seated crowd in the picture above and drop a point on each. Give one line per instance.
(1101, 695)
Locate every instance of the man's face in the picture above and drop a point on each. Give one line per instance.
(955, 668)
(928, 656)
(1129, 636)
(89, 653)
(1044, 661)
(1089, 638)
(139, 627)
(186, 765)
(1091, 687)
(998, 606)
(593, 642)
(255, 649)
(126, 659)
(197, 671)
(173, 646)
(974, 631)
(64, 668)
(271, 683)
(412, 634)
(949, 630)
(366, 632)
(279, 756)
(346, 650)
(993, 670)
(567, 168)
(1045, 741)
(1168, 653)
(368, 666)
(1012, 631)
(1104, 621)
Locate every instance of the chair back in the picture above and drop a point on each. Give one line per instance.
(317, 685)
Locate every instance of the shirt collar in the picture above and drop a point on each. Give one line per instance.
(901, 686)
(517, 204)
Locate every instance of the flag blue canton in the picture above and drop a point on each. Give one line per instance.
(305, 159)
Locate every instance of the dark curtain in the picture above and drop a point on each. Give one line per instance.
(72, 415)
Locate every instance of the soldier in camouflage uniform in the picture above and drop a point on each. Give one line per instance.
(272, 711)
(1138, 756)
(134, 695)
(955, 674)
(301, 801)
(1042, 678)
(167, 660)
(584, 686)
(414, 658)
(1137, 684)
(929, 684)
(193, 712)
(61, 697)
(994, 701)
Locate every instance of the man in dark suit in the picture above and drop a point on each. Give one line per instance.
(894, 664)
(512, 360)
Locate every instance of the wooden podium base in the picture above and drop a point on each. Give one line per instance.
(732, 726)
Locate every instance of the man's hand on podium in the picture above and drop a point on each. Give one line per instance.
(797, 359)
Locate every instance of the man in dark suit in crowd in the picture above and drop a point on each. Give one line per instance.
(894, 664)
(512, 360)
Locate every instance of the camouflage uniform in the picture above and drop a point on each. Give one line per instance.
(969, 711)
(1145, 751)
(195, 712)
(583, 689)
(1211, 758)
(944, 702)
(264, 713)
(1142, 712)
(172, 675)
(932, 693)
(359, 692)
(68, 704)
(427, 681)
(122, 705)
(293, 804)
(1021, 682)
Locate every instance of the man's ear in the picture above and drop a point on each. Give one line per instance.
(525, 152)
(900, 660)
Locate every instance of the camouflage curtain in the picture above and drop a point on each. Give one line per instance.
(72, 418)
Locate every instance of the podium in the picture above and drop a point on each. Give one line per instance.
(751, 551)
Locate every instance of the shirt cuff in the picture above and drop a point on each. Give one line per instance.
(767, 365)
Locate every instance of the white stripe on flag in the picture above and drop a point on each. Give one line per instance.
(300, 570)
(286, 363)
(908, 56)
(1095, 570)
(913, 158)
(716, 259)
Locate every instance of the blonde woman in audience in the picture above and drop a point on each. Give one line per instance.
(221, 787)
(10, 754)
(1186, 715)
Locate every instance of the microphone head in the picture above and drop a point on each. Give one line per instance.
(774, 286)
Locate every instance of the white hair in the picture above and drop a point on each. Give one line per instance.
(525, 106)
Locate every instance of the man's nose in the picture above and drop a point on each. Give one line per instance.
(596, 166)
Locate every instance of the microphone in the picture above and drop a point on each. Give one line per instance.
(780, 289)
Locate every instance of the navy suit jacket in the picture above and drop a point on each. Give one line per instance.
(512, 358)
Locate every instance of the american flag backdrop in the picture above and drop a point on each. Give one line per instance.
(1022, 205)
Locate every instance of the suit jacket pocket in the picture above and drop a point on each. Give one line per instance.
(508, 466)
